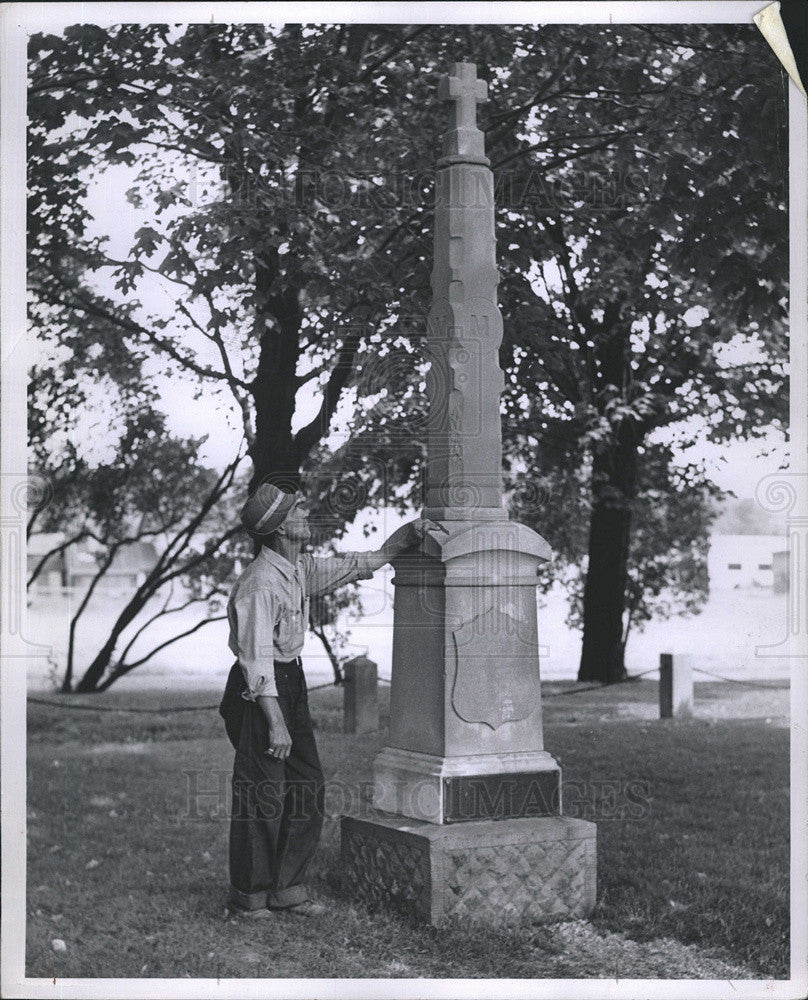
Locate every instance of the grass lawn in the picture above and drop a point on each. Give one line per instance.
(692, 848)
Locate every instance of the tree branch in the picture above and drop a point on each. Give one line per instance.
(181, 540)
(131, 326)
(559, 160)
(369, 70)
(163, 611)
(55, 551)
(308, 436)
(122, 668)
(216, 338)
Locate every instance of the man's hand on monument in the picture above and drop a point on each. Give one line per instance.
(280, 742)
(423, 526)
(406, 537)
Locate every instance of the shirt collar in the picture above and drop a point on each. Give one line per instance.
(278, 561)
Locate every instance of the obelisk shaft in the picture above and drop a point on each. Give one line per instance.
(464, 459)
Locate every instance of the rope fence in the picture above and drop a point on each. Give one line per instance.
(598, 687)
(734, 680)
(171, 709)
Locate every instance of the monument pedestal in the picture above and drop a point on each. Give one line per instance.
(466, 818)
(511, 871)
(465, 687)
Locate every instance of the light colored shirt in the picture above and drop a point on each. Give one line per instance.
(268, 609)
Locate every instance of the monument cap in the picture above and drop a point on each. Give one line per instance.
(266, 509)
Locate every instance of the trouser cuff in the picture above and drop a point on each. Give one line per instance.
(281, 898)
(248, 900)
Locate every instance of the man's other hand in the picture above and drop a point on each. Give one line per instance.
(280, 742)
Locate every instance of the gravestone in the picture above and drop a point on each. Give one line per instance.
(675, 686)
(360, 705)
(466, 809)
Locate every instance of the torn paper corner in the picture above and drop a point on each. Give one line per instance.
(772, 28)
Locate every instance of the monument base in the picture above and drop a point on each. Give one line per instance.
(537, 870)
(475, 786)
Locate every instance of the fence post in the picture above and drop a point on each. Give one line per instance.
(360, 696)
(675, 686)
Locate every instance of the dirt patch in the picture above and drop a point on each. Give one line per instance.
(605, 955)
(127, 748)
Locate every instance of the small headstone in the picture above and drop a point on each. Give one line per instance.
(360, 698)
(780, 568)
(675, 686)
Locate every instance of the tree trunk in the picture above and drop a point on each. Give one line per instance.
(93, 674)
(71, 644)
(274, 388)
(614, 476)
(319, 631)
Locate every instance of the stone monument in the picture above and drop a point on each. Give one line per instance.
(466, 811)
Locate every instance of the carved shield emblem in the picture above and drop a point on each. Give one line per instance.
(497, 670)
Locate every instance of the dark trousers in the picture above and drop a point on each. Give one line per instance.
(277, 806)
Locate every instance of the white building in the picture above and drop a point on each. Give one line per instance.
(74, 568)
(743, 546)
(743, 561)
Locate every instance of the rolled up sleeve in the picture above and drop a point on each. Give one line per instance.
(328, 573)
(255, 630)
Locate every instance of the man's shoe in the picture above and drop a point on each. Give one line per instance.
(239, 911)
(308, 908)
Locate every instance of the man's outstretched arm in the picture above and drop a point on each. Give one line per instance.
(326, 574)
(402, 539)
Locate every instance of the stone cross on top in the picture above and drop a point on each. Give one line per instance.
(465, 142)
(465, 90)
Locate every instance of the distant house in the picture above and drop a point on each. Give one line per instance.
(127, 572)
(746, 548)
(76, 567)
(52, 575)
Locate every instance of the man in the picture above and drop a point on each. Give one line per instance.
(278, 788)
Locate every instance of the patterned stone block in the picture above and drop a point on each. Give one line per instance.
(508, 871)
(386, 870)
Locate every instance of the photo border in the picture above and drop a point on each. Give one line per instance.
(19, 20)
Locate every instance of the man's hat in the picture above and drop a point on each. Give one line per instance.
(266, 509)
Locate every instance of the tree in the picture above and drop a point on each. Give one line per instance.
(672, 512)
(658, 309)
(262, 276)
(141, 492)
(118, 477)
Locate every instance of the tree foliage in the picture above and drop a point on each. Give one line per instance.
(655, 277)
